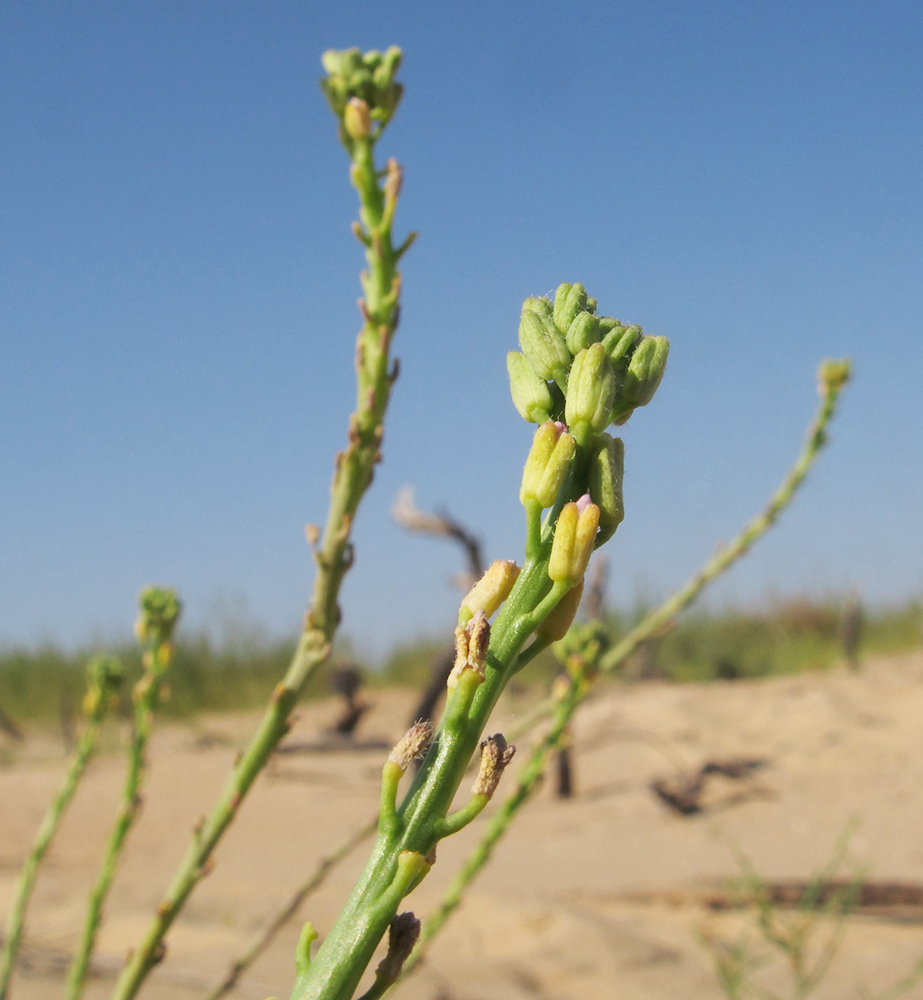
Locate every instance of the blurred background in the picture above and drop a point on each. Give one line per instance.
(178, 286)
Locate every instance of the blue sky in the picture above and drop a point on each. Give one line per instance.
(178, 285)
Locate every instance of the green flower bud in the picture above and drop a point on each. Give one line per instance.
(607, 466)
(574, 538)
(531, 395)
(547, 464)
(645, 370)
(543, 346)
(590, 393)
(160, 609)
(568, 301)
(539, 304)
(619, 342)
(582, 332)
(591, 304)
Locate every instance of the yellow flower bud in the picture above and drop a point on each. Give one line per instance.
(490, 591)
(574, 537)
(547, 464)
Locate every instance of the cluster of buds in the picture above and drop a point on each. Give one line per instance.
(589, 370)
(104, 678)
(361, 90)
(159, 609)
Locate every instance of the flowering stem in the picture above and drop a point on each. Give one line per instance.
(833, 377)
(147, 698)
(333, 554)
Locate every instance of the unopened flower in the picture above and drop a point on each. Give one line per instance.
(574, 538)
(547, 464)
(491, 590)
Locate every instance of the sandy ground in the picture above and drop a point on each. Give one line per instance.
(591, 897)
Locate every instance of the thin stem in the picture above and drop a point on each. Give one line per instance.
(562, 710)
(333, 556)
(147, 695)
(45, 835)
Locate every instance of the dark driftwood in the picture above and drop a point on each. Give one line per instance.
(684, 793)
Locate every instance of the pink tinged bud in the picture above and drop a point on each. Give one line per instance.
(491, 590)
(495, 755)
(547, 464)
(413, 744)
(574, 538)
(471, 642)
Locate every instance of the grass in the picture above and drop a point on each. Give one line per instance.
(798, 635)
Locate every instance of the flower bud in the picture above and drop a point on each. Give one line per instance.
(645, 370)
(591, 304)
(544, 347)
(547, 464)
(619, 342)
(412, 744)
(539, 304)
(590, 392)
(495, 755)
(582, 332)
(574, 537)
(491, 590)
(557, 624)
(357, 118)
(531, 395)
(607, 465)
(471, 642)
(160, 609)
(569, 300)
(833, 374)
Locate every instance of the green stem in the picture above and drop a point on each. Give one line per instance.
(421, 819)
(563, 710)
(352, 476)
(148, 689)
(45, 835)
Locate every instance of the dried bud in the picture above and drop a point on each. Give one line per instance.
(412, 744)
(569, 300)
(402, 936)
(574, 538)
(543, 345)
(547, 464)
(607, 466)
(471, 642)
(357, 118)
(491, 590)
(495, 755)
(531, 395)
(590, 393)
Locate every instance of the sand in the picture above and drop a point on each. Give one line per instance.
(598, 896)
